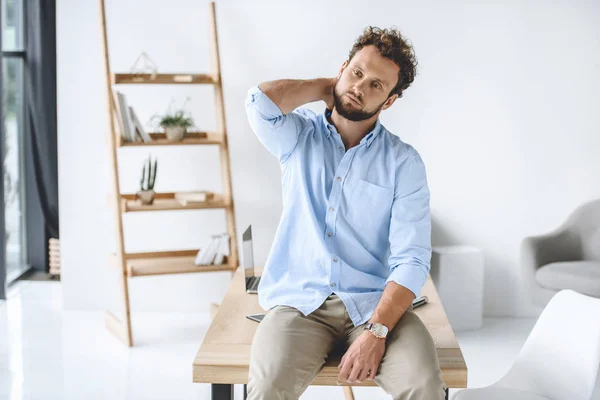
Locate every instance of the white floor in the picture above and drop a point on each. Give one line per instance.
(47, 353)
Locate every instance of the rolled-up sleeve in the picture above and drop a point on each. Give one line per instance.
(279, 133)
(410, 228)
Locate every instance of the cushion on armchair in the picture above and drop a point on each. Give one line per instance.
(581, 276)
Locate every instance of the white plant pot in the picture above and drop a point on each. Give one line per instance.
(146, 196)
(175, 132)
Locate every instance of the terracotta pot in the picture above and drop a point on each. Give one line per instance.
(146, 196)
(175, 132)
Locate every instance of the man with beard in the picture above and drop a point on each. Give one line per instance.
(353, 247)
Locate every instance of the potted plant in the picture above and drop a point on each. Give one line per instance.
(146, 193)
(175, 123)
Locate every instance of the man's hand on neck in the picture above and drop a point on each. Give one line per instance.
(289, 94)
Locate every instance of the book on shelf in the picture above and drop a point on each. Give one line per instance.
(128, 128)
(186, 198)
(139, 128)
(223, 250)
(117, 116)
(203, 248)
(214, 251)
(204, 255)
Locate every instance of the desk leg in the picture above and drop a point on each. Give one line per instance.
(447, 391)
(221, 392)
(245, 391)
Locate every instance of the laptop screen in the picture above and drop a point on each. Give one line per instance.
(247, 255)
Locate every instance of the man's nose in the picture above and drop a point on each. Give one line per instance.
(356, 92)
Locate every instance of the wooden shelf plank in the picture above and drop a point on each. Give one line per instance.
(162, 79)
(167, 201)
(192, 138)
(161, 254)
(171, 265)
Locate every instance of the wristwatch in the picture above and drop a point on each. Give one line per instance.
(378, 330)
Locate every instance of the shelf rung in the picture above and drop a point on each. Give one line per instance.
(163, 79)
(192, 138)
(161, 254)
(171, 265)
(167, 201)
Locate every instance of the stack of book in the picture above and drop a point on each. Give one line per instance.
(214, 251)
(186, 198)
(131, 127)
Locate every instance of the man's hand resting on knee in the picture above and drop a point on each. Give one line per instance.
(362, 359)
(367, 351)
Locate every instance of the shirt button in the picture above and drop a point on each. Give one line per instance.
(330, 208)
(332, 285)
(329, 234)
(335, 259)
(338, 178)
(340, 148)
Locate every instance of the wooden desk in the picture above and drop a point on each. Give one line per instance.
(224, 356)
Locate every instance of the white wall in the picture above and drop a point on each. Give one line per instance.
(504, 111)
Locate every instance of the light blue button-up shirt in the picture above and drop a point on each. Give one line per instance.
(352, 221)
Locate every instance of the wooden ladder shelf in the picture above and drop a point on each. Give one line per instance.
(131, 265)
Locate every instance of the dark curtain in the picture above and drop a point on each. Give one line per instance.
(2, 150)
(40, 97)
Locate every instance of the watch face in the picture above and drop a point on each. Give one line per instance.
(380, 330)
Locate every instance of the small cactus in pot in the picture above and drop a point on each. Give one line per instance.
(146, 193)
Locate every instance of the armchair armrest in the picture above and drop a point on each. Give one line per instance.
(559, 245)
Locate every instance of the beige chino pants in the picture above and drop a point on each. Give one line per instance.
(289, 349)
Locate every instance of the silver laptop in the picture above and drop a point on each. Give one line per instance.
(252, 280)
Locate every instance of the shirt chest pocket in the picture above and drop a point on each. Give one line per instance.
(370, 206)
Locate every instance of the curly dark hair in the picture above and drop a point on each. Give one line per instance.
(392, 45)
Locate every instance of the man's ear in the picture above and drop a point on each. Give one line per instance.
(388, 103)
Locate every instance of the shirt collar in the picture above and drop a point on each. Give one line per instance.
(368, 137)
(328, 127)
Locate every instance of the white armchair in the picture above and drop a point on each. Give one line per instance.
(566, 258)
